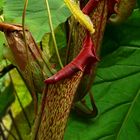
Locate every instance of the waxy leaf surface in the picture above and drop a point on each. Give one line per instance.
(36, 15)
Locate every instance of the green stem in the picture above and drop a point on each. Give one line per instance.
(2, 133)
(23, 22)
(53, 35)
(24, 35)
(22, 108)
(15, 125)
(69, 40)
(34, 96)
(8, 131)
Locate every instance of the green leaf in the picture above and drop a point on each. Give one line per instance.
(1, 45)
(36, 17)
(1, 6)
(48, 45)
(6, 98)
(116, 89)
(138, 1)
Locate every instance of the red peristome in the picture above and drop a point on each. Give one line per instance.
(83, 62)
(65, 72)
(90, 6)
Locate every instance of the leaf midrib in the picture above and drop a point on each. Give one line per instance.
(127, 115)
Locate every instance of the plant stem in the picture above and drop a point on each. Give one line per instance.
(15, 125)
(34, 96)
(6, 70)
(22, 108)
(53, 34)
(6, 129)
(69, 41)
(2, 133)
(39, 115)
(23, 25)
